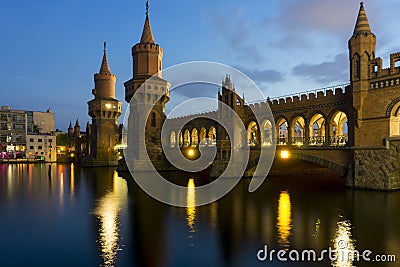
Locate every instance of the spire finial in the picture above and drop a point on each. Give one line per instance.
(105, 46)
(362, 24)
(147, 8)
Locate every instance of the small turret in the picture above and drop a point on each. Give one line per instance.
(77, 128)
(70, 129)
(104, 81)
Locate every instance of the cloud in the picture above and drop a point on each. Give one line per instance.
(263, 76)
(236, 34)
(325, 72)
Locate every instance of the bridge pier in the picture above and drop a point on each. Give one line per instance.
(378, 168)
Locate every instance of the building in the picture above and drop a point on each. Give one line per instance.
(44, 121)
(42, 147)
(15, 125)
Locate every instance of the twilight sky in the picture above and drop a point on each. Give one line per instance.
(51, 49)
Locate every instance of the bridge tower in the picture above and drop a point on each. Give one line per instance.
(376, 123)
(147, 62)
(362, 47)
(105, 111)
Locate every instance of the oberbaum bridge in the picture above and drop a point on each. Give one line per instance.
(353, 129)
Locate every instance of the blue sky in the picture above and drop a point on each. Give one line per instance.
(51, 49)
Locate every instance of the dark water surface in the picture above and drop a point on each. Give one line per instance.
(92, 217)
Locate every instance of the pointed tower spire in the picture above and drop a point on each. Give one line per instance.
(147, 34)
(77, 123)
(70, 125)
(105, 69)
(362, 24)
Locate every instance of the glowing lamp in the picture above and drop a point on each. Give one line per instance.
(285, 154)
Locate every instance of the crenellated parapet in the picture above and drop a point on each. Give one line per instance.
(388, 77)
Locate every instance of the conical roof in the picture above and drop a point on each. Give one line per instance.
(362, 24)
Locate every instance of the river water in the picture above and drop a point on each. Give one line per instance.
(94, 217)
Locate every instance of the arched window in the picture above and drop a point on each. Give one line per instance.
(173, 139)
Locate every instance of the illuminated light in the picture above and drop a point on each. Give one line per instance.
(190, 152)
(191, 205)
(343, 244)
(72, 155)
(108, 105)
(285, 154)
(284, 223)
(107, 212)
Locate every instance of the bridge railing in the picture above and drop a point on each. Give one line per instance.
(314, 141)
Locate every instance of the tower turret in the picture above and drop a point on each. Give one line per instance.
(70, 129)
(104, 81)
(362, 47)
(105, 111)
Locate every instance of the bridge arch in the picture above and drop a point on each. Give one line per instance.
(172, 139)
(212, 135)
(341, 170)
(298, 129)
(203, 135)
(195, 137)
(394, 115)
(338, 128)
(282, 126)
(317, 128)
(252, 133)
(266, 132)
(186, 138)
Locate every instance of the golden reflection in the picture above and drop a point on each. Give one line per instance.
(61, 189)
(72, 181)
(284, 219)
(107, 212)
(344, 245)
(191, 205)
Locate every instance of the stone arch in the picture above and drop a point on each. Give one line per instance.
(298, 129)
(212, 136)
(252, 133)
(203, 136)
(338, 128)
(266, 133)
(186, 138)
(394, 115)
(282, 131)
(341, 170)
(317, 128)
(195, 137)
(180, 137)
(172, 139)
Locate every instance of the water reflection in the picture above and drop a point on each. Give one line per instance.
(344, 245)
(284, 219)
(191, 205)
(72, 181)
(107, 212)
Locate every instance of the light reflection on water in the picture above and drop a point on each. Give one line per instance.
(107, 212)
(100, 216)
(344, 245)
(284, 222)
(191, 205)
